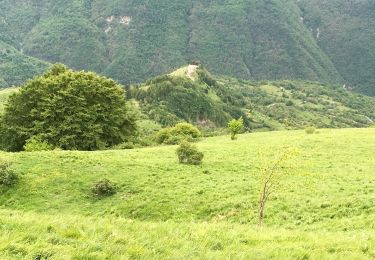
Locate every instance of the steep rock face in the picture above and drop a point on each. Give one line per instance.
(134, 40)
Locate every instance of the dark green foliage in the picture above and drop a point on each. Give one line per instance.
(8, 177)
(68, 110)
(178, 133)
(104, 188)
(188, 154)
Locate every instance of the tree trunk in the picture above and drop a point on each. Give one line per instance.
(261, 211)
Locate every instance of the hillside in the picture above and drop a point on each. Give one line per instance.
(16, 67)
(132, 41)
(325, 210)
(192, 94)
(347, 35)
(198, 97)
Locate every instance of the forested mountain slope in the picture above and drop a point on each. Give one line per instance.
(345, 30)
(15, 67)
(131, 41)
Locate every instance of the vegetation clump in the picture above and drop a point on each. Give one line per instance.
(104, 188)
(68, 110)
(310, 130)
(235, 126)
(178, 133)
(36, 144)
(8, 177)
(188, 154)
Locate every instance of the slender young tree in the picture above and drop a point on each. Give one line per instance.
(235, 126)
(270, 174)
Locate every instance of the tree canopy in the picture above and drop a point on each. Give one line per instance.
(69, 110)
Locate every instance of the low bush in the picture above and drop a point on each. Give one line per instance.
(36, 144)
(186, 129)
(310, 130)
(177, 134)
(104, 188)
(8, 177)
(188, 154)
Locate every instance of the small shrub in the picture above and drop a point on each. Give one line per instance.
(289, 103)
(36, 144)
(186, 129)
(188, 154)
(163, 135)
(8, 177)
(104, 188)
(310, 130)
(176, 139)
(178, 133)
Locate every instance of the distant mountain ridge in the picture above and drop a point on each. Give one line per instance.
(132, 41)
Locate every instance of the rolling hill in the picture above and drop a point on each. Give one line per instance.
(325, 210)
(132, 41)
(192, 94)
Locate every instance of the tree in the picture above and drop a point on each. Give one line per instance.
(270, 174)
(235, 126)
(68, 110)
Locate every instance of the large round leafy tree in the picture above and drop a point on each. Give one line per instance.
(69, 110)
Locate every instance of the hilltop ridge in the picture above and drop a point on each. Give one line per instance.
(192, 94)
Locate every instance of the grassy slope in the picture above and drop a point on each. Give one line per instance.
(163, 209)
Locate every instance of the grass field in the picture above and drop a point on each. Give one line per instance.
(164, 210)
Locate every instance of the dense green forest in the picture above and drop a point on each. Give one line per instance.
(131, 41)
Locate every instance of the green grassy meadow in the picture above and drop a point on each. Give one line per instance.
(164, 210)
